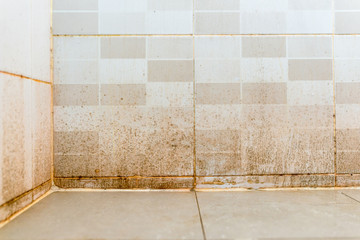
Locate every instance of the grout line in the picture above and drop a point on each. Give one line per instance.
(25, 77)
(52, 94)
(350, 197)
(202, 35)
(334, 91)
(201, 221)
(194, 96)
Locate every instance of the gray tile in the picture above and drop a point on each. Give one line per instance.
(76, 94)
(75, 23)
(108, 215)
(123, 47)
(279, 214)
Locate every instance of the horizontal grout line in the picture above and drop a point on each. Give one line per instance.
(129, 177)
(269, 175)
(204, 35)
(24, 194)
(29, 78)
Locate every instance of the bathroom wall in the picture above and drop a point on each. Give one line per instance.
(25, 103)
(206, 93)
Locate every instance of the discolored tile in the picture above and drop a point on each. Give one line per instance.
(76, 94)
(218, 93)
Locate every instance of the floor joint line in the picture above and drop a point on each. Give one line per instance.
(350, 197)
(201, 221)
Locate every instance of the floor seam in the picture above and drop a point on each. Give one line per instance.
(350, 197)
(201, 221)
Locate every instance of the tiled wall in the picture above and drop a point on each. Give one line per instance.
(216, 93)
(25, 104)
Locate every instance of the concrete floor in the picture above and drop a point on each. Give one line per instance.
(286, 214)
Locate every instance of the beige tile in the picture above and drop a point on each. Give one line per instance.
(310, 93)
(75, 5)
(76, 94)
(169, 47)
(347, 162)
(348, 180)
(123, 94)
(312, 116)
(347, 70)
(345, 22)
(264, 93)
(217, 23)
(75, 72)
(348, 93)
(347, 139)
(75, 23)
(217, 47)
(122, 22)
(263, 22)
(41, 132)
(264, 70)
(309, 47)
(310, 69)
(76, 118)
(263, 150)
(14, 137)
(123, 47)
(144, 215)
(115, 71)
(263, 47)
(217, 71)
(217, 141)
(218, 163)
(220, 117)
(259, 116)
(218, 93)
(76, 143)
(169, 94)
(347, 5)
(169, 5)
(217, 5)
(310, 5)
(259, 182)
(76, 165)
(170, 71)
(166, 151)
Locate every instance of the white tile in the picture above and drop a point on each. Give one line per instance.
(219, 117)
(347, 116)
(169, 94)
(310, 93)
(309, 22)
(114, 71)
(263, 22)
(217, 47)
(122, 6)
(75, 71)
(75, 48)
(76, 118)
(310, 4)
(347, 4)
(347, 70)
(264, 70)
(217, 5)
(172, 5)
(122, 23)
(263, 5)
(217, 71)
(169, 22)
(347, 47)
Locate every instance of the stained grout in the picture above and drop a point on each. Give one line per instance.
(200, 217)
(25, 77)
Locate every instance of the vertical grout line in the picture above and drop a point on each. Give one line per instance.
(200, 217)
(52, 94)
(334, 90)
(194, 96)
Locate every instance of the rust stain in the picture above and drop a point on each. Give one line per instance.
(25, 77)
